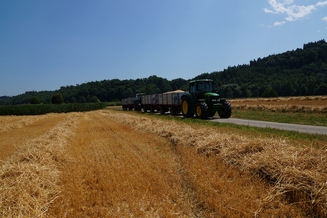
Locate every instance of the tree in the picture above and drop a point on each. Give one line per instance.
(322, 89)
(57, 99)
(269, 92)
(81, 99)
(94, 99)
(149, 89)
(35, 100)
(229, 93)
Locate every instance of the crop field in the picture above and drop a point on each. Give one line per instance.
(310, 104)
(110, 163)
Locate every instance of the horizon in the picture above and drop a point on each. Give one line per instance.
(48, 45)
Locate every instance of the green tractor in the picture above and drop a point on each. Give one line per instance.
(203, 102)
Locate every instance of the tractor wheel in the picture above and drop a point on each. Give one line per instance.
(186, 108)
(139, 107)
(145, 109)
(227, 112)
(201, 110)
(162, 110)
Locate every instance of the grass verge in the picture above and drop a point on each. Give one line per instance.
(315, 119)
(294, 138)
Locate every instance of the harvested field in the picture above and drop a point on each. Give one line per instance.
(310, 104)
(113, 164)
(16, 131)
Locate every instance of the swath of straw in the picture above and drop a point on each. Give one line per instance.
(29, 180)
(290, 169)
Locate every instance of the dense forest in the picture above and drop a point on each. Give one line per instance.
(298, 72)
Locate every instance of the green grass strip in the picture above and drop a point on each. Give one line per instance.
(314, 119)
(49, 108)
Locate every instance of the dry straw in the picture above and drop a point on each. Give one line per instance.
(293, 171)
(16, 122)
(307, 98)
(29, 181)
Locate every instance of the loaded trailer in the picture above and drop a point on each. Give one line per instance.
(163, 102)
(132, 103)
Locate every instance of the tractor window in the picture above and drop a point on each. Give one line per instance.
(193, 88)
(205, 87)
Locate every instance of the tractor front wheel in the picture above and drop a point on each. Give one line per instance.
(201, 110)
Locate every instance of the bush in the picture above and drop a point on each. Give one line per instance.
(94, 99)
(269, 93)
(35, 100)
(57, 99)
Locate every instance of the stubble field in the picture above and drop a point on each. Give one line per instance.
(115, 164)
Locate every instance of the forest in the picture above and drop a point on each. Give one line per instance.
(300, 72)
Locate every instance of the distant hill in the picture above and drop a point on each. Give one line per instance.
(298, 72)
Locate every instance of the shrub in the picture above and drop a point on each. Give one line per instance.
(269, 92)
(94, 99)
(35, 100)
(57, 99)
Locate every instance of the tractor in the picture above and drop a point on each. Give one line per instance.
(203, 102)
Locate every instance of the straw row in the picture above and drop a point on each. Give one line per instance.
(29, 181)
(283, 108)
(16, 122)
(301, 98)
(290, 169)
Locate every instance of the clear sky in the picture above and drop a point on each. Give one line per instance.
(48, 44)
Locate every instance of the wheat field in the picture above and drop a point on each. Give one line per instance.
(113, 164)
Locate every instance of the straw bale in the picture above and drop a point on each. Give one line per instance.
(291, 169)
(29, 180)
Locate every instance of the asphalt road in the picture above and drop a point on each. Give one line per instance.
(283, 126)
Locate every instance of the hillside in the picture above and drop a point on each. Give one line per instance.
(298, 72)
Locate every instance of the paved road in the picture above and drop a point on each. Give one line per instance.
(283, 126)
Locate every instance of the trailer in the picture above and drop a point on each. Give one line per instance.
(132, 103)
(163, 102)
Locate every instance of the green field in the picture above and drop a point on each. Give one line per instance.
(49, 108)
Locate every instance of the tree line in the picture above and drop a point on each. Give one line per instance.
(298, 72)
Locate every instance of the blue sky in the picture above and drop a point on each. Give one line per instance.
(48, 44)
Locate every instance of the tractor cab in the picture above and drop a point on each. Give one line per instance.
(202, 89)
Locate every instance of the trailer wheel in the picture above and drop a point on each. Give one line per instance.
(173, 110)
(227, 112)
(145, 109)
(151, 109)
(162, 110)
(139, 107)
(201, 110)
(186, 108)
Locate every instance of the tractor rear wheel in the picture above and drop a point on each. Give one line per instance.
(201, 110)
(186, 108)
(227, 110)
